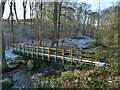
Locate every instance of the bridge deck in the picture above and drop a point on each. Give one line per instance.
(72, 55)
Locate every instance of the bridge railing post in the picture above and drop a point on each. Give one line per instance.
(13, 45)
(71, 56)
(37, 53)
(63, 54)
(32, 51)
(23, 49)
(16, 47)
(92, 58)
(55, 54)
(48, 54)
(96, 56)
(81, 57)
(19, 48)
(43, 53)
(28, 50)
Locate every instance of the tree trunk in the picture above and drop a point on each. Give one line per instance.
(15, 12)
(24, 11)
(3, 64)
(2, 51)
(24, 15)
(97, 36)
(58, 36)
(84, 25)
(54, 34)
(31, 18)
(41, 26)
(11, 22)
(118, 56)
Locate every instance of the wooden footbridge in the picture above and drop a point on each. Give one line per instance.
(71, 55)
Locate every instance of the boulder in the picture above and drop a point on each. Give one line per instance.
(44, 65)
(7, 82)
(30, 64)
(57, 66)
(19, 58)
(50, 72)
(22, 62)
